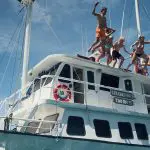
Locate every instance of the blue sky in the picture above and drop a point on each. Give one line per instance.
(59, 26)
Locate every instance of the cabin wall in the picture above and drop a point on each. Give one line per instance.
(113, 120)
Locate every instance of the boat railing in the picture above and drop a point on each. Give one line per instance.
(17, 98)
(138, 98)
(31, 126)
(13, 102)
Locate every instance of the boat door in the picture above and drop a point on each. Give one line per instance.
(91, 89)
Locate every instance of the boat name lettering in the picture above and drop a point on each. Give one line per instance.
(123, 101)
(122, 94)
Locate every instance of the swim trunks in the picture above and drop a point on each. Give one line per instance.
(100, 33)
(116, 55)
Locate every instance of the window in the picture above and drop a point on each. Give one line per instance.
(32, 127)
(128, 85)
(141, 131)
(47, 127)
(46, 81)
(78, 89)
(90, 78)
(78, 74)
(102, 128)
(51, 71)
(109, 80)
(65, 73)
(36, 84)
(125, 130)
(75, 126)
(146, 88)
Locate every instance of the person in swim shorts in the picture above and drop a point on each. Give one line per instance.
(101, 29)
(116, 51)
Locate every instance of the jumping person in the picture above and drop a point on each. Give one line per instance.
(104, 50)
(139, 51)
(116, 51)
(101, 30)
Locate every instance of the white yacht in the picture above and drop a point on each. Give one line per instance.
(69, 103)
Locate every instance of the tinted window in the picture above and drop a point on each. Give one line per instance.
(36, 84)
(75, 126)
(102, 128)
(141, 131)
(146, 88)
(78, 74)
(128, 85)
(109, 80)
(125, 130)
(90, 78)
(65, 73)
(46, 81)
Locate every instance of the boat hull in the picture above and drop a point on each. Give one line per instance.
(20, 141)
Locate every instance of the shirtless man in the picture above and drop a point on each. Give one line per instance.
(116, 49)
(104, 50)
(101, 28)
(139, 51)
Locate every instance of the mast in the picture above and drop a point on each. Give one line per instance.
(137, 17)
(28, 4)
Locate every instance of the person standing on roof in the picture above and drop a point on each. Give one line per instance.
(139, 51)
(101, 30)
(116, 51)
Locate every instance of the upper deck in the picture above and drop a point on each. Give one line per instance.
(94, 84)
(74, 80)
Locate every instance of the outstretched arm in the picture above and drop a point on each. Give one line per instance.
(146, 42)
(93, 12)
(134, 44)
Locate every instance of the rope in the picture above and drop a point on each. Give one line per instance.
(21, 57)
(122, 22)
(146, 11)
(50, 27)
(129, 20)
(16, 55)
(2, 79)
(13, 35)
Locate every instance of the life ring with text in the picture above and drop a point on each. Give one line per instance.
(62, 93)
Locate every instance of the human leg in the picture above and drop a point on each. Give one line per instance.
(94, 44)
(134, 57)
(114, 63)
(101, 54)
(109, 59)
(121, 61)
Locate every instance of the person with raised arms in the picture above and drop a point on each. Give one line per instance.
(102, 31)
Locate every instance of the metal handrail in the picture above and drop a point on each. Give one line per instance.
(97, 86)
(11, 124)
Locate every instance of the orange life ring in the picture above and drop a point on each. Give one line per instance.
(62, 93)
